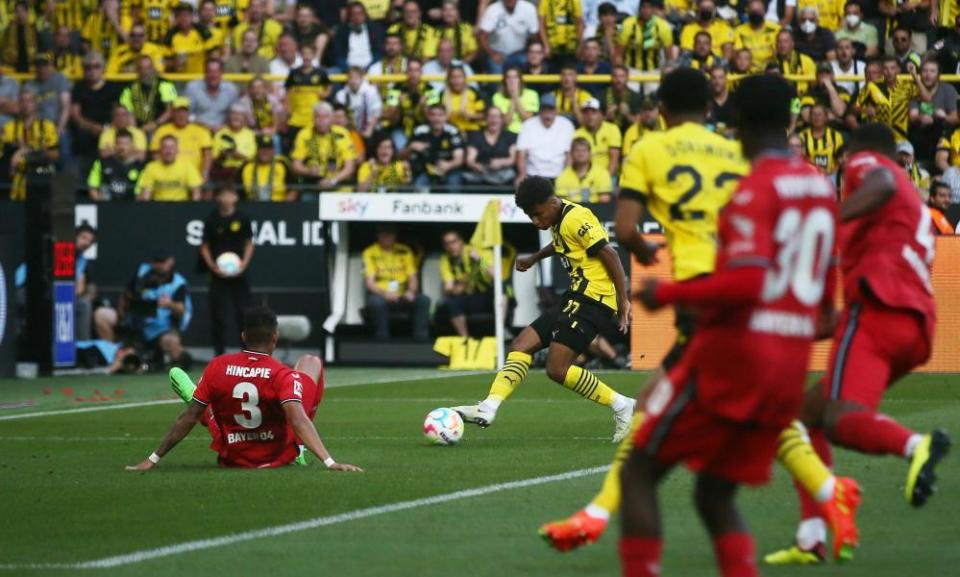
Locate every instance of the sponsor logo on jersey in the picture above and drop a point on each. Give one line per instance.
(247, 436)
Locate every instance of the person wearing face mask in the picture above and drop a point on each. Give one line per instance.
(864, 36)
(720, 32)
(758, 35)
(830, 12)
(815, 40)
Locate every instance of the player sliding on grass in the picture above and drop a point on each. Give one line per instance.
(255, 407)
(683, 177)
(722, 407)
(887, 249)
(596, 303)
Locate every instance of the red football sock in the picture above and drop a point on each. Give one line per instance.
(736, 555)
(870, 432)
(809, 509)
(818, 438)
(640, 556)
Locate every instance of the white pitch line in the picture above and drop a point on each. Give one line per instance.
(409, 438)
(315, 523)
(171, 401)
(88, 409)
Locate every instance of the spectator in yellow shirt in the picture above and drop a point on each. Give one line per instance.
(28, 136)
(720, 32)
(791, 61)
(384, 171)
(390, 271)
(186, 44)
(193, 140)
(123, 59)
(830, 12)
(122, 119)
(104, 30)
(419, 39)
(305, 86)
(324, 153)
(459, 33)
(646, 39)
(169, 178)
(233, 145)
(63, 56)
(583, 180)
(604, 138)
(268, 30)
(265, 177)
(570, 97)
(757, 35)
(463, 104)
(561, 28)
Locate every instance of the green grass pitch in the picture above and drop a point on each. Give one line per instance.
(66, 499)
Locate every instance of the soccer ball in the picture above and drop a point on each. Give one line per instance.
(443, 427)
(229, 263)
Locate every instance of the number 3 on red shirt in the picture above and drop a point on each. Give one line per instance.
(249, 399)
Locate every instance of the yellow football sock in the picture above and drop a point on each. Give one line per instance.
(588, 386)
(510, 376)
(798, 456)
(608, 498)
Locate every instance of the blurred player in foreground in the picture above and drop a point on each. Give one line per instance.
(255, 407)
(886, 330)
(720, 410)
(596, 303)
(683, 185)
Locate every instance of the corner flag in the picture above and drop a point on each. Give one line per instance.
(489, 234)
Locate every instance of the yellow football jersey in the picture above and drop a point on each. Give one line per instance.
(391, 269)
(578, 237)
(685, 175)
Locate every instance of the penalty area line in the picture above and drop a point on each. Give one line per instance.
(315, 523)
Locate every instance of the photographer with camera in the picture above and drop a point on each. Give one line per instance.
(153, 312)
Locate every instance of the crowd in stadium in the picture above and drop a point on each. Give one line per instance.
(313, 113)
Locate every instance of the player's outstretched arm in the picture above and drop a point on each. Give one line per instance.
(180, 429)
(611, 261)
(728, 287)
(307, 433)
(875, 190)
(524, 263)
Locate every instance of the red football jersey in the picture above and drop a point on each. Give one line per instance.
(891, 249)
(245, 393)
(750, 362)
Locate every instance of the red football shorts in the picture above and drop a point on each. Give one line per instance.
(677, 429)
(873, 346)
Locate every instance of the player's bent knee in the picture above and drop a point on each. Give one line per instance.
(557, 370)
(310, 365)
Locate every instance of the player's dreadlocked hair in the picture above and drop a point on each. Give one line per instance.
(533, 190)
(876, 137)
(259, 325)
(763, 103)
(685, 91)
